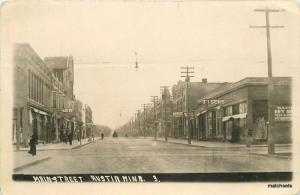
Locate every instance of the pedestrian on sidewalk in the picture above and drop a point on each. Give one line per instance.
(66, 137)
(249, 138)
(32, 144)
(70, 137)
(102, 135)
(78, 136)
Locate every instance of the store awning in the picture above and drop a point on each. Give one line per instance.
(198, 114)
(39, 111)
(226, 118)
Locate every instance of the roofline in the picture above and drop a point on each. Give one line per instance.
(240, 84)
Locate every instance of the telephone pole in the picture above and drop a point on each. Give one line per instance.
(164, 89)
(270, 122)
(154, 99)
(144, 106)
(187, 72)
(139, 123)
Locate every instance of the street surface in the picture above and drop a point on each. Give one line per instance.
(138, 155)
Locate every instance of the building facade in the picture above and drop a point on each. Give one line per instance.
(185, 101)
(32, 108)
(240, 111)
(64, 115)
(44, 105)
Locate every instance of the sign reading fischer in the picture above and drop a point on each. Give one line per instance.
(211, 101)
(282, 113)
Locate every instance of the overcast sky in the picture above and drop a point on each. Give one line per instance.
(102, 36)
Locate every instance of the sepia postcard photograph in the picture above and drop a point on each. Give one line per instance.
(184, 96)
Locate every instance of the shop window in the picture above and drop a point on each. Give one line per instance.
(235, 109)
(219, 123)
(54, 100)
(228, 111)
(243, 107)
(210, 120)
(260, 116)
(243, 127)
(214, 123)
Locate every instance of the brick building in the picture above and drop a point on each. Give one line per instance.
(44, 104)
(241, 109)
(32, 96)
(182, 103)
(64, 117)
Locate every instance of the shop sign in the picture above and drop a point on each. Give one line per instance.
(188, 114)
(211, 102)
(282, 113)
(67, 110)
(176, 114)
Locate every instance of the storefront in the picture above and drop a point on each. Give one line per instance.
(40, 123)
(244, 112)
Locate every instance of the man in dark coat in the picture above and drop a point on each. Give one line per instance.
(70, 137)
(32, 144)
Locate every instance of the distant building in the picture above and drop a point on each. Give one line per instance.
(183, 103)
(88, 120)
(78, 112)
(63, 99)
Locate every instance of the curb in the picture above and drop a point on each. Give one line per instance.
(272, 155)
(31, 164)
(192, 145)
(76, 147)
(45, 149)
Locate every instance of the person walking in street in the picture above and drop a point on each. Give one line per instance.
(32, 144)
(102, 135)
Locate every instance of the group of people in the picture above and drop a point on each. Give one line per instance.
(66, 136)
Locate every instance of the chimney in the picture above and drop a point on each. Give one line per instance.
(204, 80)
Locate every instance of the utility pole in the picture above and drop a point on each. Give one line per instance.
(136, 62)
(186, 72)
(144, 106)
(139, 122)
(154, 99)
(270, 122)
(164, 89)
(135, 124)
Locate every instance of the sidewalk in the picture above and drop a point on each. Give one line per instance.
(282, 150)
(59, 146)
(22, 159)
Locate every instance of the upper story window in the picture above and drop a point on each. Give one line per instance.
(235, 109)
(243, 107)
(228, 111)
